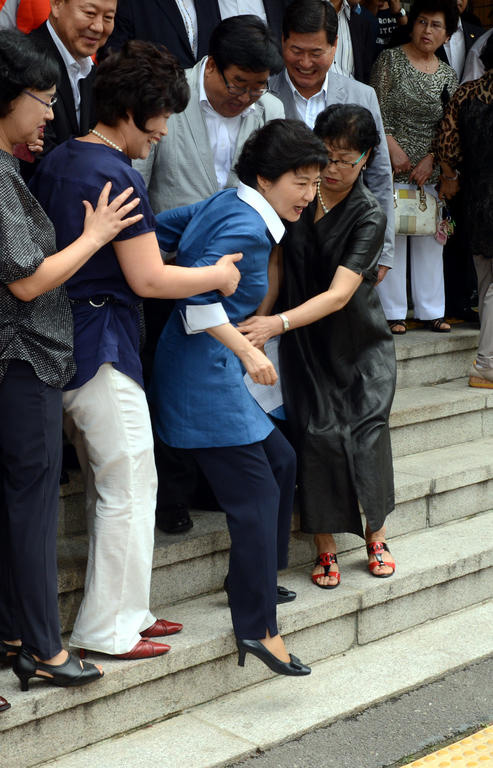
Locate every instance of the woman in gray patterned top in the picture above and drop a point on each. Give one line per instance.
(413, 86)
(35, 362)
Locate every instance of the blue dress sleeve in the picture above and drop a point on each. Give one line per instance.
(171, 225)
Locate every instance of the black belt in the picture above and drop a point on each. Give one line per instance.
(100, 301)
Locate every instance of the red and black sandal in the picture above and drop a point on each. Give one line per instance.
(376, 548)
(326, 559)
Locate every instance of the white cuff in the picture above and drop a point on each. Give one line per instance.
(199, 317)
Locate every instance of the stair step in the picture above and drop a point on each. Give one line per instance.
(440, 570)
(424, 357)
(243, 723)
(428, 417)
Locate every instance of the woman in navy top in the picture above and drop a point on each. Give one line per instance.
(106, 411)
(201, 400)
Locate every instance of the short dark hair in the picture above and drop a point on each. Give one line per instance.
(308, 16)
(278, 147)
(348, 125)
(142, 78)
(447, 7)
(23, 65)
(245, 42)
(486, 54)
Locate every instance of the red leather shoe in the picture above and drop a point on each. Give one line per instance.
(144, 649)
(4, 704)
(161, 628)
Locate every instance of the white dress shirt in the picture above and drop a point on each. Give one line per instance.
(8, 14)
(189, 16)
(455, 48)
(77, 69)
(308, 109)
(222, 132)
(239, 7)
(474, 67)
(343, 62)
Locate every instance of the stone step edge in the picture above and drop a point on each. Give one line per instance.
(213, 741)
(417, 343)
(360, 592)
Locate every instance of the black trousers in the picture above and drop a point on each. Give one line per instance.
(255, 486)
(30, 463)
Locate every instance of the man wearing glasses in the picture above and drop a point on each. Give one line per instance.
(228, 100)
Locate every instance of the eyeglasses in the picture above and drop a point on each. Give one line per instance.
(346, 163)
(48, 104)
(435, 25)
(238, 90)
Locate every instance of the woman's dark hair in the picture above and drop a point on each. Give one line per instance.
(309, 16)
(142, 79)
(447, 7)
(246, 42)
(486, 54)
(349, 126)
(280, 146)
(23, 65)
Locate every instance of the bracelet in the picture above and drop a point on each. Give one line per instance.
(285, 321)
(450, 178)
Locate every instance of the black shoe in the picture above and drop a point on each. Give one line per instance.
(64, 675)
(174, 519)
(295, 667)
(8, 652)
(284, 595)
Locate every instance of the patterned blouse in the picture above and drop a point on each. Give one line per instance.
(412, 103)
(38, 332)
(449, 144)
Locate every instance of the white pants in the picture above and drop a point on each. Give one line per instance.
(107, 419)
(484, 271)
(427, 283)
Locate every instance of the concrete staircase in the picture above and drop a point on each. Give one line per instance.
(442, 538)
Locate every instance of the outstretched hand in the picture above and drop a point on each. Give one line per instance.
(260, 328)
(107, 220)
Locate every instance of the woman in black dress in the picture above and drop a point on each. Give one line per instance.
(338, 361)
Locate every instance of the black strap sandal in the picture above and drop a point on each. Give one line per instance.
(436, 325)
(376, 548)
(394, 325)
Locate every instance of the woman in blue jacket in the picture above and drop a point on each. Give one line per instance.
(198, 392)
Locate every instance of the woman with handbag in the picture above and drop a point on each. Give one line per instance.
(337, 360)
(413, 86)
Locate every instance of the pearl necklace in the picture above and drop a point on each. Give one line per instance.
(107, 141)
(319, 195)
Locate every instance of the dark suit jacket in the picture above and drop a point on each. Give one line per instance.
(160, 21)
(363, 37)
(65, 124)
(471, 33)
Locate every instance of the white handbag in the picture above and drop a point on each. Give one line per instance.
(415, 211)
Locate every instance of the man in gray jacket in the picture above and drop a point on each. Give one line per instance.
(228, 100)
(306, 86)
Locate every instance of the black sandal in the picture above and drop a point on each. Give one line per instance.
(436, 325)
(326, 559)
(394, 324)
(64, 675)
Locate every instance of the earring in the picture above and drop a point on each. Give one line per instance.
(364, 167)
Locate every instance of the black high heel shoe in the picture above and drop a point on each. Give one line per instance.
(294, 667)
(64, 675)
(8, 652)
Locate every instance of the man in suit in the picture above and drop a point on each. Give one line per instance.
(356, 48)
(455, 50)
(73, 35)
(307, 85)
(270, 11)
(228, 101)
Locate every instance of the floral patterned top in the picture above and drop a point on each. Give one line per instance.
(412, 103)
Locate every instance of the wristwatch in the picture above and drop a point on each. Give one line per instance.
(285, 321)
(400, 12)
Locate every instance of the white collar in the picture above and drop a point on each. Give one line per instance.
(203, 99)
(83, 65)
(256, 201)
(296, 91)
(346, 8)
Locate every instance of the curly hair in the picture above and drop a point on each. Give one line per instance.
(143, 79)
(348, 126)
(447, 7)
(23, 65)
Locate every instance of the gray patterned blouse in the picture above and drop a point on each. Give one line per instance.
(38, 332)
(412, 103)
